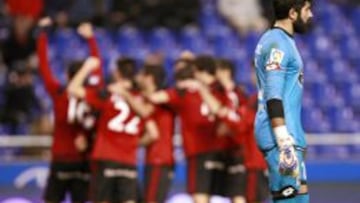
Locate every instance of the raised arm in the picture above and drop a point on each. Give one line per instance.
(86, 31)
(51, 83)
(76, 86)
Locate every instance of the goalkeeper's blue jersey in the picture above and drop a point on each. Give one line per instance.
(279, 71)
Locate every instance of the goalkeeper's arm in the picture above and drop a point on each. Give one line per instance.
(285, 142)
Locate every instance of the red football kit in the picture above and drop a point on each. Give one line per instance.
(238, 99)
(118, 130)
(69, 112)
(198, 127)
(241, 121)
(160, 152)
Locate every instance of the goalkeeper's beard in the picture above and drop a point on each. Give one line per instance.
(302, 27)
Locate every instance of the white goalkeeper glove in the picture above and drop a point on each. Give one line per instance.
(288, 161)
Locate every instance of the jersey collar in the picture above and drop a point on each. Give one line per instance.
(286, 32)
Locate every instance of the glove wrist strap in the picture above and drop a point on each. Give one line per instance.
(282, 136)
(281, 132)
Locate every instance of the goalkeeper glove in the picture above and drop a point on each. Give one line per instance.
(288, 161)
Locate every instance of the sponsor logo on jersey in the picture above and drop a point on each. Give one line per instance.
(273, 66)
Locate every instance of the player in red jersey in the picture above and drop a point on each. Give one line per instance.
(118, 133)
(243, 142)
(159, 154)
(240, 120)
(236, 171)
(257, 188)
(198, 127)
(69, 171)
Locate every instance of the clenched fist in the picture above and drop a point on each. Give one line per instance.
(85, 30)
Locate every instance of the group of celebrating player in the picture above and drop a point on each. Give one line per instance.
(99, 127)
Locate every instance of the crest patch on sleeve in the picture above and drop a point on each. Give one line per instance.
(275, 59)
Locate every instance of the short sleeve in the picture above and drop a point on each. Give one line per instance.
(96, 97)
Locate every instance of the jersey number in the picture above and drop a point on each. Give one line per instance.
(119, 124)
(79, 112)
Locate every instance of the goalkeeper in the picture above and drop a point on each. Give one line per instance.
(278, 129)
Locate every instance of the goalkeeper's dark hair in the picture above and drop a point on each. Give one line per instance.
(226, 64)
(73, 68)
(205, 63)
(281, 8)
(157, 72)
(126, 67)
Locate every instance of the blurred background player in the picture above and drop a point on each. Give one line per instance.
(159, 159)
(201, 144)
(246, 166)
(232, 175)
(235, 169)
(278, 127)
(117, 138)
(243, 153)
(205, 73)
(159, 153)
(69, 166)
